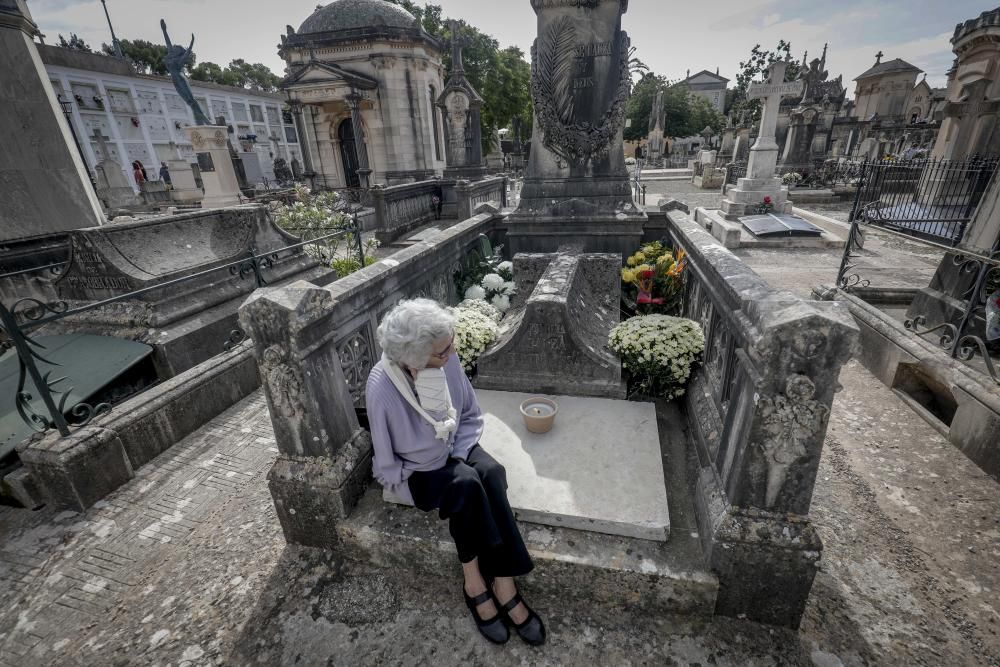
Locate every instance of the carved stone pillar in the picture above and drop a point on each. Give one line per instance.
(364, 170)
(325, 456)
(300, 129)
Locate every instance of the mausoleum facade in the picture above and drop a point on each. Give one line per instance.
(363, 78)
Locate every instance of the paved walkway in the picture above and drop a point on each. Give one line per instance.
(62, 573)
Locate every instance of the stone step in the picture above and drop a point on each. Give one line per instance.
(594, 570)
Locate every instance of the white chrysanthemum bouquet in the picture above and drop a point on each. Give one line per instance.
(475, 330)
(496, 287)
(658, 351)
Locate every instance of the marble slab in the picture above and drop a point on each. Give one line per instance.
(599, 469)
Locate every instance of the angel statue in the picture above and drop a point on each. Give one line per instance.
(177, 57)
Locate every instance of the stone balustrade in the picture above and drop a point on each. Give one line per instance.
(472, 194)
(758, 410)
(315, 347)
(402, 208)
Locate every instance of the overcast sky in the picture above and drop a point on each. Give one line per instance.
(672, 37)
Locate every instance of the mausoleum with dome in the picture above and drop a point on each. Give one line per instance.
(362, 78)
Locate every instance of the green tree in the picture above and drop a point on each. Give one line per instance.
(239, 73)
(146, 57)
(750, 71)
(501, 76)
(74, 43)
(685, 114)
(640, 105)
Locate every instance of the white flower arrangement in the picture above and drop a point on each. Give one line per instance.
(791, 178)
(506, 269)
(508, 288)
(475, 293)
(501, 302)
(474, 332)
(483, 307)
(658, 351)
(493, 281)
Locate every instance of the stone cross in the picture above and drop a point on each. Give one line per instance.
(764, 154)
(457, 43)
(101, 142)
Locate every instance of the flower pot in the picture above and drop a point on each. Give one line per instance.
(539, 414)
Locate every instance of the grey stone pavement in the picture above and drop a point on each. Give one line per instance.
(186, 565)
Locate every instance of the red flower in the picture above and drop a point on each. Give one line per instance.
(645, 298)
(767, 200)
(648, 273)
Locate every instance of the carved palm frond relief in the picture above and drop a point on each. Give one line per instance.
(556, 60)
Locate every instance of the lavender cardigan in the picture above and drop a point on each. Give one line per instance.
(404, 442)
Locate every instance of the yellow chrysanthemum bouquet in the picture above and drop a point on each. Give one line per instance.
(653, 279)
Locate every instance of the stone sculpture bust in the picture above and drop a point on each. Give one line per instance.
(177, 57)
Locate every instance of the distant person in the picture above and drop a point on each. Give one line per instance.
(138, 173)
(145, 176)
(639, 155)
(165, 173)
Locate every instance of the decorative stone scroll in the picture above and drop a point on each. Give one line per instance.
(556, 341)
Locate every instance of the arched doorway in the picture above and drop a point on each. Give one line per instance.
(349, 153)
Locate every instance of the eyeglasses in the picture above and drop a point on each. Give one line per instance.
(446, 352)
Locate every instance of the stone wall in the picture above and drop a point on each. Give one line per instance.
(471, 194)
(758, 409)
(77, 471)
(315, 347)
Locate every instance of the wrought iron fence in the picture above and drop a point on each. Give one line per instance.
(27, 315)
(966, 336)
(929, 199)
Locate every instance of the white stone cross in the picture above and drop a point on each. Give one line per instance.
(764, 154)
(101, 141)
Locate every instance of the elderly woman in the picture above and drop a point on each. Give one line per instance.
(425, 425)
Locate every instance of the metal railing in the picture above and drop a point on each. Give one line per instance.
(30, 314)
(928, 199)
(964, 337)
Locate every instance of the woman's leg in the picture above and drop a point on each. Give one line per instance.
(456, 491)
(512, 558)
(509, 559)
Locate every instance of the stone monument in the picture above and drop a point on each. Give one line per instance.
(211, 142)
(555, 340)
(113, 189)
(760, 181)
(576, 186)
(184, 188)
(44, 185)
(655, 140)
(460, 104)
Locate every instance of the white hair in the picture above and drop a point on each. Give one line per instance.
(408, 331)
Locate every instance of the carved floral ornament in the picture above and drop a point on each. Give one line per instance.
(553, 65)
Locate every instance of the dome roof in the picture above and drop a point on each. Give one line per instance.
(357, 14)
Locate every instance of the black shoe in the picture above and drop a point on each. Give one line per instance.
(494, 628)
(532, 631)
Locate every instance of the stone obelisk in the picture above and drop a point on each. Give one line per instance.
(576, 186)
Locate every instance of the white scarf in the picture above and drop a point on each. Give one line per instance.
(443, 429)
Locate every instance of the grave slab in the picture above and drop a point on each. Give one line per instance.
(599, 469)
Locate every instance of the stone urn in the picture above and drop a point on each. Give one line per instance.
(539, 414)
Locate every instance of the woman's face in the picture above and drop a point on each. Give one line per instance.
(441, 349)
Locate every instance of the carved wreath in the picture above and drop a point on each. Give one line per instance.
(552, 91)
